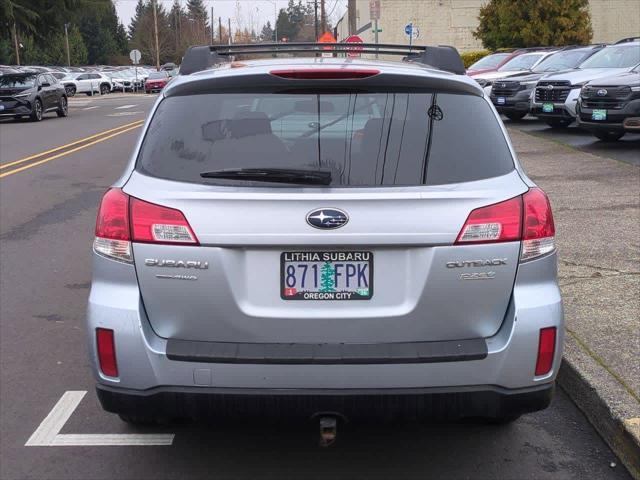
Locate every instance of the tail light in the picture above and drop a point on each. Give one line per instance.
(123, 219)
(525, 218)
(546, 350)
(325, 73)
(538, 231)
(106, 352)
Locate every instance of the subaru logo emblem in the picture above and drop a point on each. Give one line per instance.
(327, 218)
(503, 85)
(601, 93)
(549, 87)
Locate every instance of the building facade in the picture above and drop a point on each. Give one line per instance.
(452, 22)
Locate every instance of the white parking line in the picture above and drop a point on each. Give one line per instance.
(122, 107)
(48, 432)
(91, 108)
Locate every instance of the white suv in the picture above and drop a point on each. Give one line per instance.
(88, 82)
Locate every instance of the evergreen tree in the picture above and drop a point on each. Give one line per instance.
(141, 9)
(327, 278)
(528, 23)
(267, 34)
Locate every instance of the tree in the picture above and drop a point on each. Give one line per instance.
(143, 37)
(267, 34)
(327, 278)
(528, 23)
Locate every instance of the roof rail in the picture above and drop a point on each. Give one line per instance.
(627, 40)
(442, 57)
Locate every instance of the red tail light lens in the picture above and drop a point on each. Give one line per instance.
(500, 222)
(157, 224)
(112, 227)
(106, 352)
(546, 350)
(325, 73)
(539, 230)
(113, 217)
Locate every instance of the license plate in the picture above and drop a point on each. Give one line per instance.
(502, 100)
(547, 107)
(599, 114)
(328, 275)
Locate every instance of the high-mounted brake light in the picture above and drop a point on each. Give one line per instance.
(325, 73)
(106, 352)
(500, 222)
(546, 350)
(123, 219)
(527, 218)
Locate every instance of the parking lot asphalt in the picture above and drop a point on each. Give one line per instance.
(627, 149)
(47, 215)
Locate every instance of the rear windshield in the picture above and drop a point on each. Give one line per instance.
(363, 139)
(489, 61)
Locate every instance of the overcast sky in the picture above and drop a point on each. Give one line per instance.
(254, 13)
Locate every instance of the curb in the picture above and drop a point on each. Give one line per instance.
(607, 403)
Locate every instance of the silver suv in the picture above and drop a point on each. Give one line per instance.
(309, 235)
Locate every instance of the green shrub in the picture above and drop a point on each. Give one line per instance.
(469, 58)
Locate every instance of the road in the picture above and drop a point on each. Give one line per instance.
(47, 215)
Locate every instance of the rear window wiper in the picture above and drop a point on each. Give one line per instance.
(276, 175)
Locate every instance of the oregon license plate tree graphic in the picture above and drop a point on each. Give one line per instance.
(326, 275)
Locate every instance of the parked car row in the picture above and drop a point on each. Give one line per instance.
(102, 79)
(596, 86)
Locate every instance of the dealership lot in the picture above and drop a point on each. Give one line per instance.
(47, 212)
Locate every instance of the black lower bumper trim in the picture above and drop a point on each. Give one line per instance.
(326, 353)
(223, 403)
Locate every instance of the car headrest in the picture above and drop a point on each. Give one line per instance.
(247, 124)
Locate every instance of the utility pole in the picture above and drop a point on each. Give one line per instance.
(315, 9)
(323, 17)
(220, 29)
(155, 31)
(15, 41)
(351, 15)
(229, 23)
(211, 25)
(66, 39)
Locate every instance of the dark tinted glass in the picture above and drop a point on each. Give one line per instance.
(364, 139)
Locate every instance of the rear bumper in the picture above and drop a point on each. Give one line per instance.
(449, 403)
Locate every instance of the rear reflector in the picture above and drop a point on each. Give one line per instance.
(106, 352)
(152, 223)
(546, 350)
(324, 73)
(500, 222)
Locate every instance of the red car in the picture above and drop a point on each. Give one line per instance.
(494, 61)
(156, 81)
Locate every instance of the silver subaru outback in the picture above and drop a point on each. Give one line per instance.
(310, 234)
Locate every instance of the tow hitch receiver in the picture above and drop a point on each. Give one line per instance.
(328, 431)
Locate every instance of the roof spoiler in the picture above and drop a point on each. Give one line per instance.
(442, 57)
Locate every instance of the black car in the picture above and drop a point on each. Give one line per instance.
(610, 107)
(511, 96)
(31, 94)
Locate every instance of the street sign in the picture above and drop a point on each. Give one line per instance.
(412, 30)
(374, 9)
(354, 51)
(327, 37)
(135, 56)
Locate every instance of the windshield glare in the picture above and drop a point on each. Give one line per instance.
(490, 61)
(521, 62)
(560, 61)
(18, 81)
(363, 138)
(157, 75)
(614, 57)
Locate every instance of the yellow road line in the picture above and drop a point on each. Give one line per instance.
(101, 139)
(22, 160)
